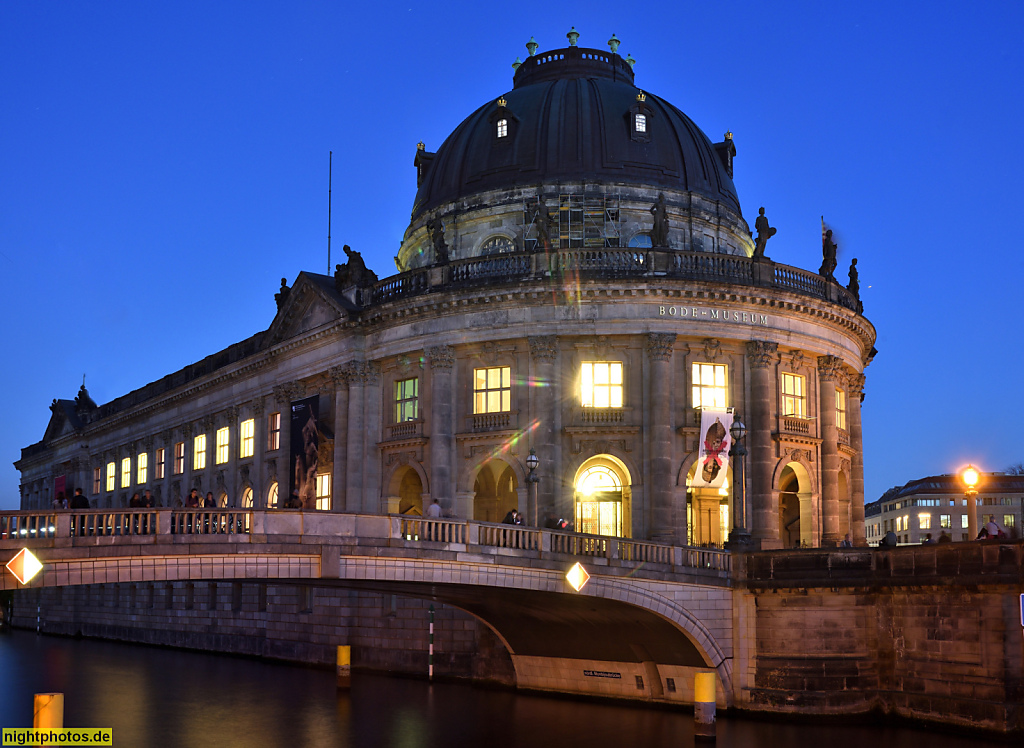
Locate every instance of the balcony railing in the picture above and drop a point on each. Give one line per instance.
(605, 264)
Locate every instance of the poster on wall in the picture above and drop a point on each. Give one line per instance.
(713, 450)
(305, 448)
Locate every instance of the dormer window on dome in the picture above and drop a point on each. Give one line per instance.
(503, 123)
(640, 119)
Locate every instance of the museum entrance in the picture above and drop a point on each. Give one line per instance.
(495, 492)
(794, 507)
(602, 497)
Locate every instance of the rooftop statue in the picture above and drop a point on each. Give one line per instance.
(854, 284)
(542, 220)
(828, 257)
(436, 229)
(659, 234)
(354, 272)
(281, 296)
(764, 233)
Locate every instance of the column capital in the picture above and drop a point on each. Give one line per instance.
(231, 415)
(186, 431)
(855, 385)
(543, 347)
(830, 369)
(256, 406)
(761, 353)
(659, 345)
(441, 356)
(285, 393)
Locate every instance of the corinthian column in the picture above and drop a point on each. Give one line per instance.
(339, 374)
(442, 435)
(764, 524)
(283, 395)
(354, 373)
(829, 368)
(659, 353)
(543, 399)
(854, 396)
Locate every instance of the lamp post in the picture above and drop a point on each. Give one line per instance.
(739, 535)
(531, 487)
(970, 478)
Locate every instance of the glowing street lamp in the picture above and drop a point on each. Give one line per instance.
(970, 477)
(577, 576)
(24, 566)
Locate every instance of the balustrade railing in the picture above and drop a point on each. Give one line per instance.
(211, 521)
(653, 553)
(510, 536)
(107, 522)
(602, 415)
(433, 530)
(20, 526)
(607, 262)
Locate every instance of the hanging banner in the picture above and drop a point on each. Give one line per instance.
(305, 449)
(713, 451)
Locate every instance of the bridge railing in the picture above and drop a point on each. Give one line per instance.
(211, 521)
(25, 525)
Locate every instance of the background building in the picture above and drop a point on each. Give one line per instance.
(933, 505)
(578, 279)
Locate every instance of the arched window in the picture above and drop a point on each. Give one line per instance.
(247, 498)
(641, 240)
(272, 496)
(222, 500)
(497, 245)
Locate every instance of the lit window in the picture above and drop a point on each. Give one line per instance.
(899, 524)
(199, 452)
(158, 467)
(111, 476)
(97, 480)
(274, 432)
(407, 400)
(179, 458)
(142, 468)
(502, 128)
(924, 521)
(247, 498)
(222, 445)
(492, 390)
(963, 521)
(906, 521)
(1009, 520)
(709, 389)
(497, 245)
(323, 492)
(945, 521)
(841, 410)
(641, 122)
(793, 396)
(601, 384)
(272, 496)
(248, 438)
(126, 472)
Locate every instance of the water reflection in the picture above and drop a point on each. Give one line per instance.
(157, 697)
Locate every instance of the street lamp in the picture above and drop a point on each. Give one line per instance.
(739, 535)
(531, 486)
(970, 478)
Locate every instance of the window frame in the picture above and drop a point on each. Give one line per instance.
(126, 472)
(223, 445)
(179, 458)
(589, 400)
(247, 438)
(482, 396)
(97, 480)
(790, 399)
(406, 406)
(199, 452)
(274, 431)
(697, 383)
(840, 409)
(159, 463)
(142, 468)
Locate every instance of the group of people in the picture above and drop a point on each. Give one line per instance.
(195, 501)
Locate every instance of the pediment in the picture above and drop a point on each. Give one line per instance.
(60, 423)
(309, 305)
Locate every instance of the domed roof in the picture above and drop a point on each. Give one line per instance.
(571, 117)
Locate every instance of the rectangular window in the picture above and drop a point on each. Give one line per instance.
(963, 521)
(709, 389)
(899, 524)
(502, 128)
(641, 122)
(906, 521)
(1009, 520)
(199, 452)
(179, 458)
(492, 390)
(924, 521)
(794, 397)
(945, 521)
(840, 410)
(248, 438)
(323, 492)
(97, 480)
(273, 432)
(158, 465)
(142, 468)
(601, 384)
(222, 445)
(126, 472)
(407, 400)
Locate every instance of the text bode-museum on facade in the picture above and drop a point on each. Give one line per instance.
(577, 279)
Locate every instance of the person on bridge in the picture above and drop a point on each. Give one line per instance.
(78, 501)
(434, 510)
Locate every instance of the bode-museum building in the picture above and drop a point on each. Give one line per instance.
(577, 279)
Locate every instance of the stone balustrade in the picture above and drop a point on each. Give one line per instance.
(608, 264)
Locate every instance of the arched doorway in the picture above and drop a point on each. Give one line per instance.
(601, 497)
(796, 527)
(495, 492)
(845, 520)
(708, 511)
(410, 494)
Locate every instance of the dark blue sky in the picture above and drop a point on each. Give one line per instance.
(163, 165)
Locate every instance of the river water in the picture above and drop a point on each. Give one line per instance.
(160, 697)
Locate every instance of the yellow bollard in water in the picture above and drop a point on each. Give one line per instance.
(48, 711)
(344, 666)
(704, 706)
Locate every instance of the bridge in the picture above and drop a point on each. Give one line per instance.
(651, 614)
